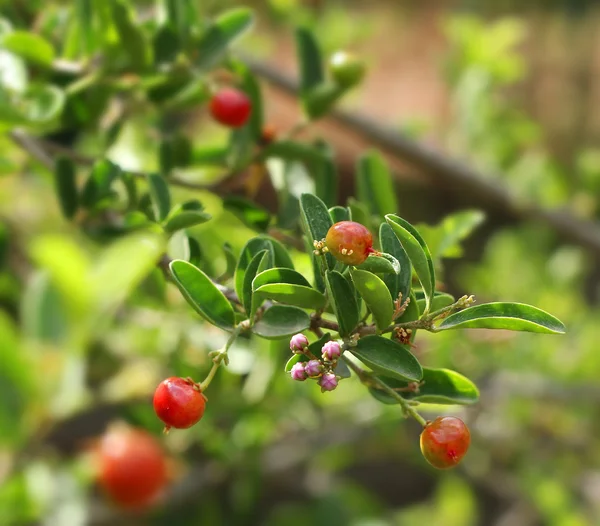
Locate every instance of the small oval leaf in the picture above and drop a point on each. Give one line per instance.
(159, 195)
(339, 213)
(279, 275)
(66, 188)
(316, 221)
(399, 284)
(249, 275)
(418, 253)
(202, 294)
(280, 321)
(384, 264)
(439, 386)
(509, 316)
(388, 358)
(375, 185)
(376, 296)
(343, 302)
(299, 295)
(185, 219)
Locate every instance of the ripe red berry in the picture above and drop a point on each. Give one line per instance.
(349, 242)
(231, 107)
(445, 441)
(178, 402)
(132, 467)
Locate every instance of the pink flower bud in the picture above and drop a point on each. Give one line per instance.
(298, 343)
(313, 368)
(331, 351)
(328, 382)
(298, 372)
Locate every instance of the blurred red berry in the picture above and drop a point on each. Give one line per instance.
(178, 402)
(445, 441)
(132, 467)
(231, 107)
(349, 242)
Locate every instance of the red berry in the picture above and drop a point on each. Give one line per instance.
(231, 107)
(178, 402)
(445, 441)
(132, 467)
(349, 242)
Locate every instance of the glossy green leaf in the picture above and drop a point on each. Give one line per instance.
(252, 247)
(185, 219)
(133, 40)
(282, 256)
(316, 221)
(29, 46)
(342, 370)
(339, 213)
(230, 260)
(343, 302)
(66, 188)
(509, 316)
(202, 294)
(299, 295)
(419, 254)
(375, 185)
(248, 212)
(320, 100)
(249, 275)
(160, 196)
(280, 321)
(376, 296)
(359, 212)
(317, 346)
(388, 358)
(439, 301)
(399, 283)
(310, 60)
(439, 386)
(209, 155)
(226, 29)
(279, 275)
(99, 182)
(294, 360)
(384, 264)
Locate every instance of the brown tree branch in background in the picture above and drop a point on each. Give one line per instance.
(458, 176)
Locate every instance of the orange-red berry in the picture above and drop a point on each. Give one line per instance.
(231, 107)
(349, 242)
(445, 441)
(132, 467)
(178, 402)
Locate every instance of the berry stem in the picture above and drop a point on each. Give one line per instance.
(221, 356)
(370, 380)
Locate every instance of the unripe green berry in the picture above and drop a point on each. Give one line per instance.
(346, 68)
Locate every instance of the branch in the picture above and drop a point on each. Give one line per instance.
(451, 172)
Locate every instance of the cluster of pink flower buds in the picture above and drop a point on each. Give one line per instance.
(318, 369)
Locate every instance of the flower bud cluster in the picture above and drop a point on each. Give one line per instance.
(320, 369)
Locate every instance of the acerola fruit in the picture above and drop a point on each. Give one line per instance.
(231, 107)
(349, 242)
(445, 441)
(132, 467)
(178, 402)
(346, 69)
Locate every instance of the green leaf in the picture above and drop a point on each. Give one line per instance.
(217, 38)
(339, 213)
(316, 221)
(439, 301)
(299, 295)
(166, 45)
(133, 41)
(185, 219)
(97, 187)
(399, 283)
(252, 247)
(376, 296)
(247, 290)
(279, 275)
(230, 260)
(250, 86)
(310, 60)
(388, 358)
(317, 346)
(29, 46)
(343, 302)
(209, 155)
(282, 256)
(322, 98)
(248, 212)
(280, 321)
(439, 386)
(342, 370)
(66, 188)
(293, 151)
(202, 294)
(419, 255)
(294, 360)
(444, 239)
(359, 212)
(159, 195)
(509, 316)
(41, 103)
(375, 185)
(384, 264)
(326, 177)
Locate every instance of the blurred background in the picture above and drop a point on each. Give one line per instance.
(488, 105)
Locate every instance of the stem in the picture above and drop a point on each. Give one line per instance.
(370, 380)
(221, 356)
